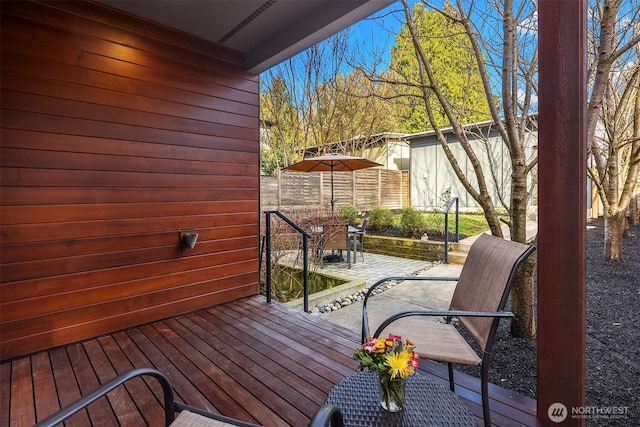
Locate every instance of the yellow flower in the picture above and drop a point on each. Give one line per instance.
(400, 364)
(381, 345)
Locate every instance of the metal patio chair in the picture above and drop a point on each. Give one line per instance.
(189, 416)
(335, 237)
(478, 303)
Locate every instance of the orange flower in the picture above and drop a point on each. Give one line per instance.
(381, 345)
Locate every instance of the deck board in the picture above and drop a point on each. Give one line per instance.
(67, 385)
(265, 364)
(22, 405)
(85, 375)
(43, 384)
(145, 398)
(228, 376)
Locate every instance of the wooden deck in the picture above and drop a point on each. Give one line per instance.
(265, 364)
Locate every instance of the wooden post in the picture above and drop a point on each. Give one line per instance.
(279, 189)
(354, 189)
(379, 187)
(562, 210)
(401, 192)
(322, 192)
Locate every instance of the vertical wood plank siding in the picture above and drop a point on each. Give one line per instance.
(116, 133)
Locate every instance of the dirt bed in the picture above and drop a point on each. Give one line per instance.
(613, 335)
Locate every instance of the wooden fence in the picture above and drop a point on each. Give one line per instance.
(365, 189)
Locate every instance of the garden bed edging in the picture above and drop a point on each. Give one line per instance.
(404, 248)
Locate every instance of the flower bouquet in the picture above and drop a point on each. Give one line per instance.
(394, 360)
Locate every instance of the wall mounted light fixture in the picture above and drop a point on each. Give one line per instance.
(188, 238)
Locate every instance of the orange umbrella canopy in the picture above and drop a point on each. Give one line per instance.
(332, 162)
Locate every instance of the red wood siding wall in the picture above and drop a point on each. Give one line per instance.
(116, 133)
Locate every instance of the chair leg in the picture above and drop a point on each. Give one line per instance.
(484, 384)
(452, 384)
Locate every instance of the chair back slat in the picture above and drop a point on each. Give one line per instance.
(335, 236)
(485, 281)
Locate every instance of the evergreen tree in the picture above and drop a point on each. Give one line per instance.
(450, 54)
(278, 145)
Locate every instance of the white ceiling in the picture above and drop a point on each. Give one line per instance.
(266, 31)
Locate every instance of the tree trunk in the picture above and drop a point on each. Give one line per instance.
(509, 127)
(633, 210)
(613, 228)
(523, 325)
(493, 220)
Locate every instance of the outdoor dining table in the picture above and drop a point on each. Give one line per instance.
(352, 234)
(428, 403)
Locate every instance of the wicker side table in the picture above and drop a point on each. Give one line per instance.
(428, 403)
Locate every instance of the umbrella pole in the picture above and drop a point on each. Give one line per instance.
(332, 201)
(333, 257)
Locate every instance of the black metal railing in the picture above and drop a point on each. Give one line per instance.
(446, 227)
(305, 255)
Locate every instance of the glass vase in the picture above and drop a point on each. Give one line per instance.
(392, 395)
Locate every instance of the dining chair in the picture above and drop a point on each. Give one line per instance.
(478, 302)
(335, 237)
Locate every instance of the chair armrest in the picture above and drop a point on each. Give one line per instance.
(327, 415)
(441, 313)
(365, 321)
(80, 404)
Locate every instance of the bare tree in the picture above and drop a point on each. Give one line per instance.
(513, 60)
(613, 135)
(316, 100)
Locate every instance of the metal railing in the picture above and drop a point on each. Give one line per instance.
(305, 255)
(446, 227)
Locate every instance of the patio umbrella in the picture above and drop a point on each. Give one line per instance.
(331, 163)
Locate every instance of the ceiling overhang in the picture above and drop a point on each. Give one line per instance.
(266, 31)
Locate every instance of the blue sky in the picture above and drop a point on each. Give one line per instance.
(378, 31)
(373, 37)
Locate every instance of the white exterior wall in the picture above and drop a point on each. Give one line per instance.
(432, 174)
(394, 155)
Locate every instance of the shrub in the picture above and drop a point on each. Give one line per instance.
(434, 221)
(380, 218)
(412, 223)
(349, 214)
